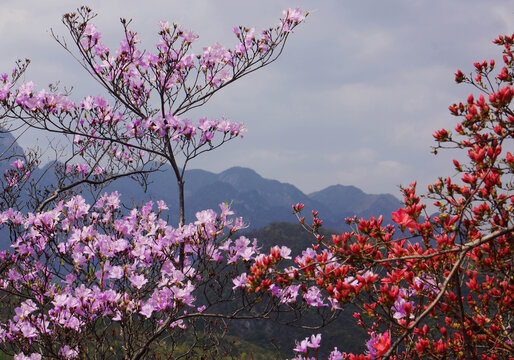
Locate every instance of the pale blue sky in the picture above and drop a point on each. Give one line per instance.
(354, 100)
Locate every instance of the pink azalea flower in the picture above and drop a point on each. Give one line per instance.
(22, 356)
(335, 355)
(289, 294)
(147, 310)
(315, 341)
(294, 15)
(302, 346)
(240, 281)
(77, 207)
(68, 353)
(26, 308)
(60, 300)
(189, 36)
(205, 217)
(161, 205)
(313, 297)
(138, 281)
(28, 330)
(18, 164)
(116, 272)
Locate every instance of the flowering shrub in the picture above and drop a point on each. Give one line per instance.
(142, 124)
(437, 286)
(90, 280)
(79, 269)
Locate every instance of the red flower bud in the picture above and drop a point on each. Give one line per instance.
(440, 135)
(459, 76)
(443, 331)
(298, 207)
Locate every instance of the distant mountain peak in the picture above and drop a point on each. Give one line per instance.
(8, 145)
(342, 189)
(240, 172)
(242, 178)
(258, 200)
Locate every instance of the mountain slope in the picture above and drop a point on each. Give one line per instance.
(258, 200)
(261, 201)
(349, 201)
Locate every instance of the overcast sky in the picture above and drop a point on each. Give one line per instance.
(354, 100)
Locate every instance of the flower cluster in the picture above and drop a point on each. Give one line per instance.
(97, 278)
(131, 127)
(303, 347)
(428, 286)
(18, 172)
(113, 268)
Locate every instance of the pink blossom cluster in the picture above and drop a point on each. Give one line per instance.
(376, 347)
(115, 266)
(78, 265)
(18, 172)
(172, 62)
(180, 130)
(98, 117)
(313, 342)
(42, 100)
(292, 17)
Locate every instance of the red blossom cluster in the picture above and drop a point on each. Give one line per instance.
(440, 286)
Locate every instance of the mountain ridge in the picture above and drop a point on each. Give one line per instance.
(260, 201)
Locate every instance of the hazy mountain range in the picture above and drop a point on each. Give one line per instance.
(261, 201)
(258, 200)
